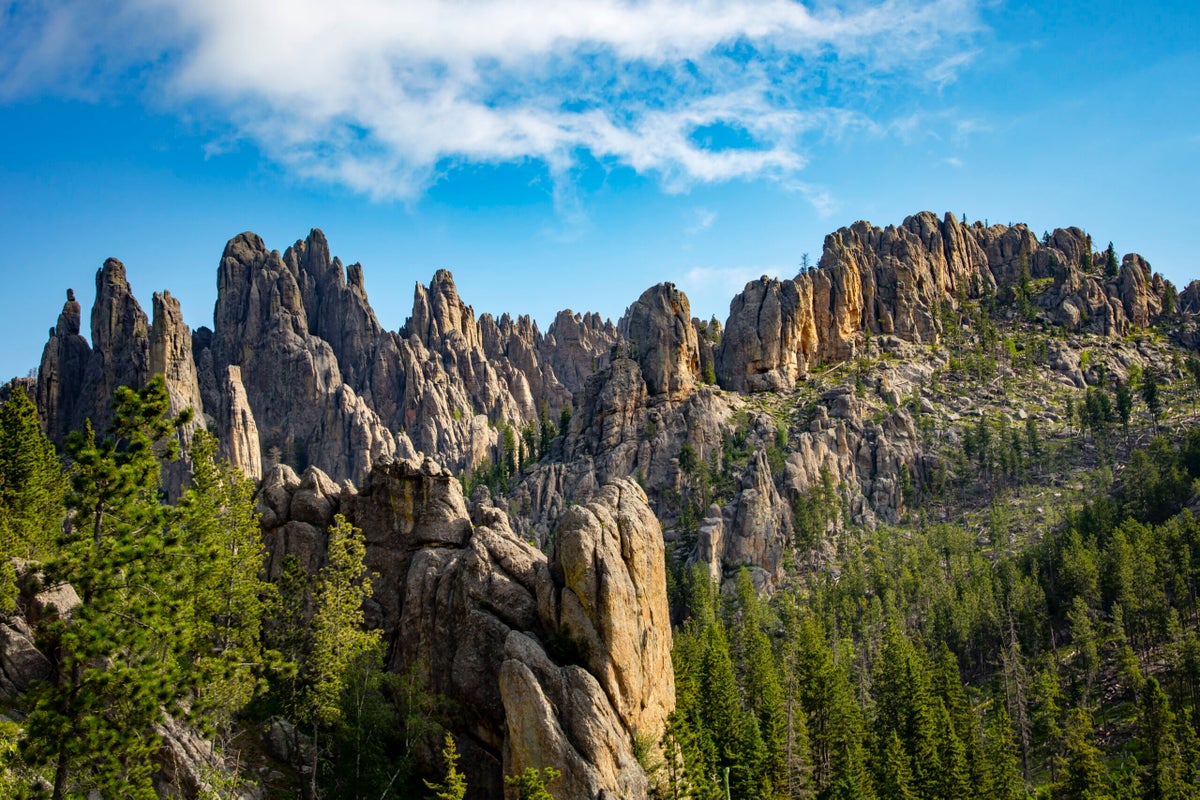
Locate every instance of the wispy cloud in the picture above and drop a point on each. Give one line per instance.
(384, 96)
(699, 220)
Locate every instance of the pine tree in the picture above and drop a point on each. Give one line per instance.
(1158, 752)
(763, 694)
(1124, 404)
(1151, 395)
(955, 778)
(721, 711)
(226, 593)
(454, 785)
(1083, 637)
(118, 662)
(895, 782)
(1082, 775)
(338, 641)
(531, 784)
(1193, 369)
(1046, 697)
(31, 508)
(1111, 267)
(1003, 760)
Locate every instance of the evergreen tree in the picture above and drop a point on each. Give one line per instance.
(227, 597)
(1004, 781)
(30, 477)
(1129, 671)
(895, 782)
(1111, 267)
(454, 785)
(531, 784)
(338, 640)
(31, 508)
(1124, 404)
(955, 778)
(1151, 395)
(1082, 773)
(721, 712)
(1161, 769)
(1083, 637)
(1046, 714)
(118, 657)
(1193, 369)
(762, 691)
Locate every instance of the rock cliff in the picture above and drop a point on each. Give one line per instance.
(297, 369)
(553, 659)
(897, 281)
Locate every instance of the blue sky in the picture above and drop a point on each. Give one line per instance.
(570, 154)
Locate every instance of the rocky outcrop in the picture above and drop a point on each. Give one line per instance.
(171, 357)
(239, 441)
(60, 375)
(557, 660)
(21, 663)
(304, 411)
(76, 381)
(897, 280)
(120, 345)
(577, 346)
(663, 341)
(770, 339)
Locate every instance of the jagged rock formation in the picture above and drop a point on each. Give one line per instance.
(663, 340)
(561, 655)
(576, 346)
(298, 370)
(77, 382)
(896, 280)
(558, 659)
(60, 376)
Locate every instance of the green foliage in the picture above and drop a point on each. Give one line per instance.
(31, 508)
(1111, 265)
(30, 480)
(226, 593)
(1151, 395)
(531, 784)
(121, 655)
(338, 644)
(1083, 774)
(454, 785)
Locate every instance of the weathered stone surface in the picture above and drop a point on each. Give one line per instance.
(576, 346)
(477, 609)
(239, 432)
(171, 357)
(662, 340)
(610, 555)
(896, 280)
(770, 338)
(60, 376)
(190, 767)
(21, 663)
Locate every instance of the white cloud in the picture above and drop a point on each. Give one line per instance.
(382, 96)
(699, 220)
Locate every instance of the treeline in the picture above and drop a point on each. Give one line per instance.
(931, 661)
